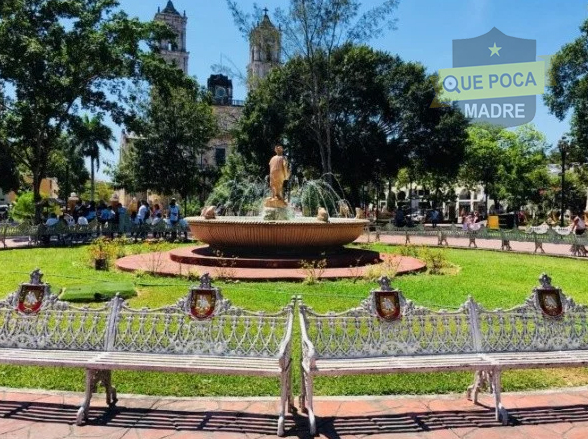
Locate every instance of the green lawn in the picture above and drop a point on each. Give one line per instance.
(492, 278)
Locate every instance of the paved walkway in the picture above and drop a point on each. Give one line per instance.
(489, 244)
(537, 415)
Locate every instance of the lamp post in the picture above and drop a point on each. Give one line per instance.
(563, 146)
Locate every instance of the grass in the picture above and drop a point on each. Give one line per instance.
(494, 279)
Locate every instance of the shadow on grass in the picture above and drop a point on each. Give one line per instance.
(246, 423)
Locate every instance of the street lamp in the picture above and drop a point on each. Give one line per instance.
(563, 146)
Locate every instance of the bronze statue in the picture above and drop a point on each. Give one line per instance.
(279, 172)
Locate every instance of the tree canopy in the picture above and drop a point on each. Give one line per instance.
(313, 30)
(92, 135)
(378, 114)
(568, 90)
(69, 57)
(172, 133)
(511, 166)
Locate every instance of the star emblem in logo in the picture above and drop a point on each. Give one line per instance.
(494, 50)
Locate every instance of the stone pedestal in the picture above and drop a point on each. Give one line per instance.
(275, 214)
(274, 202)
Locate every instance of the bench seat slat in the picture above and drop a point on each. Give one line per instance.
(47, 357)
(526, 360)
(401, 364)
(188, 363)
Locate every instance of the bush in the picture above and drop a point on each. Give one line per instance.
(436, 260)
(24, 208)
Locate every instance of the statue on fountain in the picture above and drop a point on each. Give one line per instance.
(279, 172)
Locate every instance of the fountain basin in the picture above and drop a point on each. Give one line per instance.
(256, 235)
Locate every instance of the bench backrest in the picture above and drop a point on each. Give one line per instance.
(203, 323)
(33, 318)
(547, 321)
(387, 324)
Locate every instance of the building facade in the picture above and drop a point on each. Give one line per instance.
(265, 51)
(264, 54)
(174, 51)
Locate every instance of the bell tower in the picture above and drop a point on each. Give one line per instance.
(174, 51)
(265, 47)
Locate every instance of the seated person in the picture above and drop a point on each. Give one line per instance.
(91, 211)
(104, 214)
(52, 220)
(157, 219)
(183, 226)
(578, 224)
(69, 220)
(82, 221)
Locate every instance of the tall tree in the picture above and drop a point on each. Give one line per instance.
(511, 166)
(173, 132)
(66, 163)
(483, 159)
(67, 57)
(313, 30)
(8, 172)
(568, 89)
(92, 135)
(524, 173)
(380, 120)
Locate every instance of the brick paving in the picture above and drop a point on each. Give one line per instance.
(534, 415)
(161, 264)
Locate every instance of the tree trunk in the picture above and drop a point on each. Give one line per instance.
(92, 185)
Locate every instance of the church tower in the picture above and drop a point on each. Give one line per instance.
(265, 47)
(174, 51)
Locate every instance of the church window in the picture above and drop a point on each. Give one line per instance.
(220, 156)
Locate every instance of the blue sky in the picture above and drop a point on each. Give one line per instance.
(424, 33)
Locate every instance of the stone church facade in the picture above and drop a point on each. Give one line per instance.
(264, 54)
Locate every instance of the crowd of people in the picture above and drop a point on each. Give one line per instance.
(118, 215)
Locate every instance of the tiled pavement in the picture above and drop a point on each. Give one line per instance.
(488, 244)
(536, 415)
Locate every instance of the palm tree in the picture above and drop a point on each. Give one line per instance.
(91, 135)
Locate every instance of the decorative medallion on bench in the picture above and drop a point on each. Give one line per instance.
(548, 298)
(30, 295)
(202, 299)
(387, 301)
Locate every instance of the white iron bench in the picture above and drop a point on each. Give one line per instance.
(201, 334)
(407, 338)
(388, 334)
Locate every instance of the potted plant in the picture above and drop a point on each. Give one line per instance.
(101, 252)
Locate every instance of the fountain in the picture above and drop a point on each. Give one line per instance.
(278, 235)
(266, 237)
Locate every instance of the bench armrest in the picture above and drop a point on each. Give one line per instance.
(285, 351)
(308, 350)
